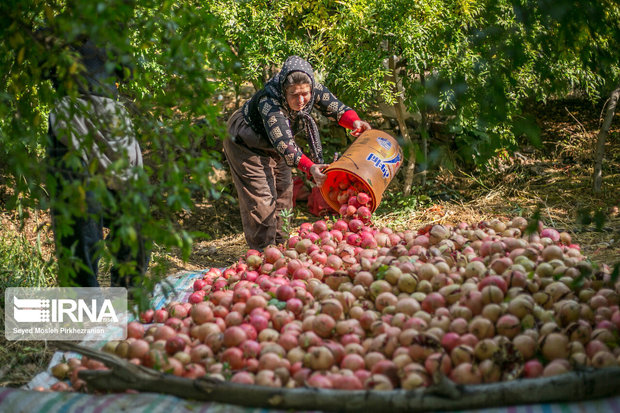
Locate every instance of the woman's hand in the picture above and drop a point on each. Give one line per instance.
(316, 171)
(359, 126)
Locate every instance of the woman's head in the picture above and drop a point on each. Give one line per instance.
(297, 88)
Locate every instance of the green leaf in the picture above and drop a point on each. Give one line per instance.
(281, 305)
(532, 225)
(380, 275)
(615, 273)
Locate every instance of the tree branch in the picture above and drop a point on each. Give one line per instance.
(576, 386)
(597, 176)
(399, 109)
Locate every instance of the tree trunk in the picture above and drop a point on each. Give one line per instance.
(424, 134)
(444, 395)
(398, 107)
(237, 88)
(257, 85)
(597, 178)
(265, 75)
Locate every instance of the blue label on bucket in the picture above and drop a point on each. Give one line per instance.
(383, 164)
(385, 143)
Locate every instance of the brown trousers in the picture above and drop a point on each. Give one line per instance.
(263, 181)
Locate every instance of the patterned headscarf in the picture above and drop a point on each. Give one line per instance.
(275, 89)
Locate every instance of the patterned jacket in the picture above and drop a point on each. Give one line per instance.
(268, 114)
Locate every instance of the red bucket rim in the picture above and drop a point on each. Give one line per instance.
(329, 183)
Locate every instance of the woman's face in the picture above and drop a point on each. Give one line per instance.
(298, 96)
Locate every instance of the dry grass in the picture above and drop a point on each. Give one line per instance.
(20, 361)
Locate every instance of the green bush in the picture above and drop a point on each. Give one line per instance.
(22, 264)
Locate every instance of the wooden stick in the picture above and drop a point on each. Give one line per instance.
(575, 386)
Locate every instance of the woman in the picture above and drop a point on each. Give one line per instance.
(261, 148)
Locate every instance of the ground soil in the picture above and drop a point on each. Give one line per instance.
(554, 180)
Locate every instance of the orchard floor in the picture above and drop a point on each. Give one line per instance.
(554, 180)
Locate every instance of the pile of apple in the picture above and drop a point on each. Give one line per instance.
(346, 305)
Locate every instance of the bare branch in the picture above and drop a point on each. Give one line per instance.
(597, 176)
(575, 386)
